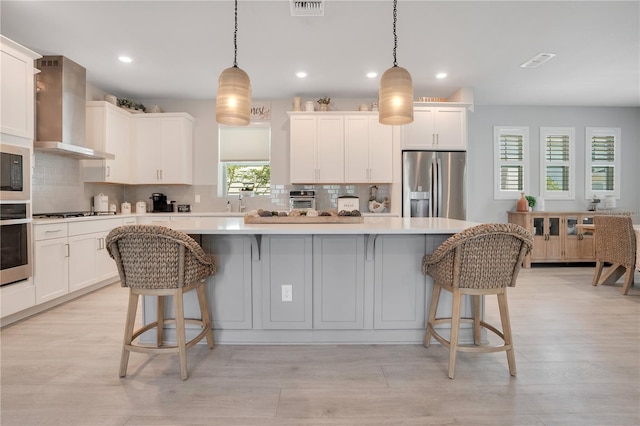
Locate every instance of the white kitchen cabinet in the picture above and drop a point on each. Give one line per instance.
(368, 149)
(71, 256)
(317, 148)
(51, 266)
(108, 130)
(436, 128)
(17, 88)
(163, 148)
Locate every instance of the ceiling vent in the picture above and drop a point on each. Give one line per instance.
(307, 8)
(538, 60)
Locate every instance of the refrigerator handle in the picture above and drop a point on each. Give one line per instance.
(432, 201)
(439, 183)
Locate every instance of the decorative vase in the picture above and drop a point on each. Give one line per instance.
(324, 107)
(522, 205)
(297, 103)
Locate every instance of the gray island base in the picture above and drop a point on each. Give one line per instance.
(317, 283)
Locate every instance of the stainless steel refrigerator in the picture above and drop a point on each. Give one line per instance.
(433, 184)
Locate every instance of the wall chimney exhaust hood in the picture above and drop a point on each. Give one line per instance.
(60, 110)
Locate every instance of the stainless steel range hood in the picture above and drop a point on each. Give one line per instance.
(60, 109)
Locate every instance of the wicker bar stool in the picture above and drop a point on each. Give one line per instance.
(481, 260)
(157, 261)
(616, 244)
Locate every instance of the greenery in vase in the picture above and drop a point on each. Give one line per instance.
(325, 101)
(531, 200)
(128, 103)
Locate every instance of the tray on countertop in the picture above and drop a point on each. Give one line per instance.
(304, 219)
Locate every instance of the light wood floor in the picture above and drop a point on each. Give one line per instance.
(577, 353)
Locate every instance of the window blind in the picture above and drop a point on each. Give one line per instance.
(238, 144)
(511, 151)
(603, 148)
(557, 147)
(511, 147)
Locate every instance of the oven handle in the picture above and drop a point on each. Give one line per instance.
(15, 221)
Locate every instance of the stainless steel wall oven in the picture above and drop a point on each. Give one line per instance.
(15, 173)
(15, 243)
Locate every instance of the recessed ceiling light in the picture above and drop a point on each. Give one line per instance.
(372, 74)
(537, 60)
(301, 74)
(125, 59)
(441, 75)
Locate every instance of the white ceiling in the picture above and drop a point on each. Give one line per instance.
(180, 47)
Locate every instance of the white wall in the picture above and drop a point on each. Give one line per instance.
(483, 208)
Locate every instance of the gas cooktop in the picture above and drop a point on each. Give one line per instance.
(62, 215)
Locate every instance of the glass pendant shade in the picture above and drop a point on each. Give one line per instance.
(396, 97)
(233, 103)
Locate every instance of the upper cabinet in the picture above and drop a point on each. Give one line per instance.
(317, 148)
(17, 88)
(368, 149)
(108, 130)
(436, 128)
(162, 148)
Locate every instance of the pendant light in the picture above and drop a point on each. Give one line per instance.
(396, 88)
(233, 102)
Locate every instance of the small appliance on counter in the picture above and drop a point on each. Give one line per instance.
(160, 204)
(348, 203)
(101, 204)
(302, 200)
(141, 207)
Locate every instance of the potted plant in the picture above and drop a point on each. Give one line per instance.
(247, 190)
(531, 200)
(324, 103)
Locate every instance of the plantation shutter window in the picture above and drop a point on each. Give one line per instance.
(557, 162)
(602, 175)
(511, 167)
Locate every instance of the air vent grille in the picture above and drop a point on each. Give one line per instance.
(307, 8)
(538, 60)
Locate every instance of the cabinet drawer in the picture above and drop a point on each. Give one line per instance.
(90, 226)
(53, 230)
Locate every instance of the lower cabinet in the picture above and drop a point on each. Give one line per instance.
(338, 281)
(286, 281)
(399, 286)
(71, 256)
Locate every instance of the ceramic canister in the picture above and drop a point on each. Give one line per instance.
(141, 207)
(125, 208)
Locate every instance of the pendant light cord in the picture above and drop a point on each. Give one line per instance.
(395, 36)
(235, 38)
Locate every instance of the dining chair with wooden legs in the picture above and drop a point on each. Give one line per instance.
(482, 260)
(157, 261)
(615, 242)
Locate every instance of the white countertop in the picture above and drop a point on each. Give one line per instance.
(371, 225)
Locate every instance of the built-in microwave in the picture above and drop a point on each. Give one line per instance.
(14, 173)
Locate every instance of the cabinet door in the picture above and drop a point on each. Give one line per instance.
(16, 86)
(106, 267)
(380, 152)
(117, 142)
(421, 133)
(554, 238)
(51, 269)
(330, 148)
(399, 286)
(83, 258)
(303, 140)
(177, 151)
(450, 128)
(147, 152)
(287, 261)
(230, 288)
(338, 281)
(356, 149)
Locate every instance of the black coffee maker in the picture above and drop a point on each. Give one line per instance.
(160, 204)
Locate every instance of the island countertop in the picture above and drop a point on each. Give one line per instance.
(370, 225)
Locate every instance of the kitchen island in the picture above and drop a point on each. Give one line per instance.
(317, 283)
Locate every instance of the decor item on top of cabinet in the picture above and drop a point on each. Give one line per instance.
(155, 109)
(376, 206)
(131, 106)
(297, 103)
(324, 103)
(531, 201)
(112, 99)
(522, 205)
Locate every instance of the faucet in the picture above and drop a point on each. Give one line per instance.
(240, 206)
